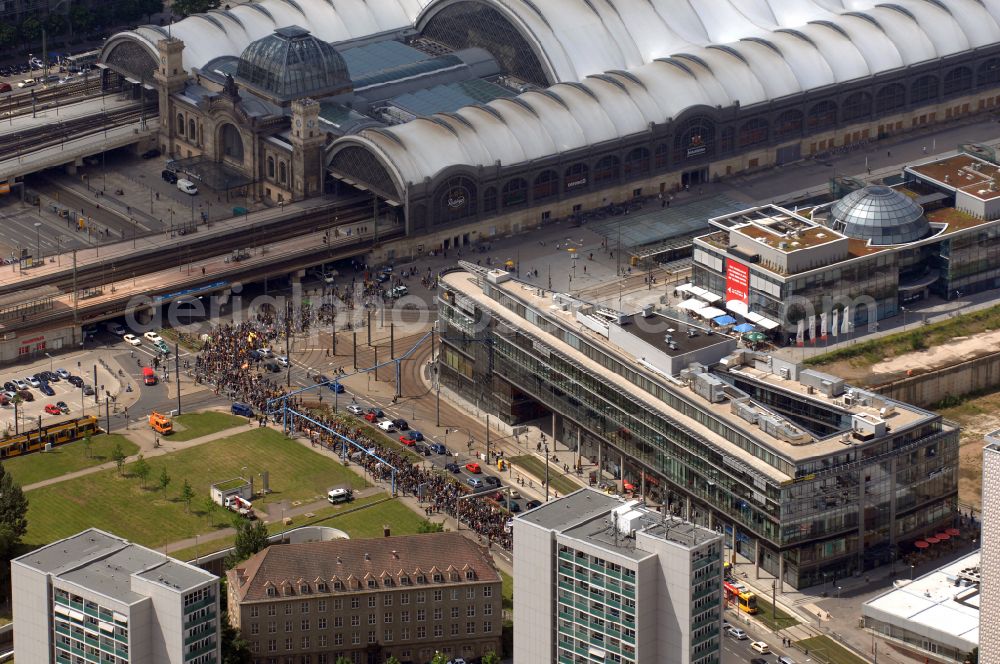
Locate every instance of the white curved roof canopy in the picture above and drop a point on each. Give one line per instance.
(665, 56)
(227, 32)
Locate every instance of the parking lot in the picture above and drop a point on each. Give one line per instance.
(69, 391)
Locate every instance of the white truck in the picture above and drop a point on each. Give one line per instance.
(241, 506)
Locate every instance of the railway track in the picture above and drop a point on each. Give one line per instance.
(22, 103)
(39, 138)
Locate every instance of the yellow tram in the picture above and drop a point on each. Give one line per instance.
(57, 433)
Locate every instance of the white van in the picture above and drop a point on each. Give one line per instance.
(187, 187)
(339, 495)
(386, 426)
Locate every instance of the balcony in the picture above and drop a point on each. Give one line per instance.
(208, 601)
(212, 647)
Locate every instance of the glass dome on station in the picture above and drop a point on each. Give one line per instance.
(880, 215)
(291, 63)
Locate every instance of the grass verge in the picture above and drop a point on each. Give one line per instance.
(152, 516)
(507, 590)
(362, 518)
(826, 650)
(68, 458)
(926, 336)
(536, 467)
(196, 425)
(780, 619)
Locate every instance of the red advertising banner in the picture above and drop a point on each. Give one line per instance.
(737, 282)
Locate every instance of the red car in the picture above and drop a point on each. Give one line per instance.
(52, 409)
(371, 417)
(473, 467)
(406, 440)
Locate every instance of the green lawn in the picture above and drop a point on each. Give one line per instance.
(196, 425)
(536, 467)
(507, 590)
(781, 620)
(39, 466)
(360, 519)
(152, 517)
(824, 649)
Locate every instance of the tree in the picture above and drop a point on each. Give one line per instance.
(13, 511)
(8, 35)
(86, 446)
(187, 495)
(141, 470)
(31, 29)
(118, 454)
(251, 537)
(188, 7)
(439, 658)
(342, 660)
(80, 18)
(164, 479)
(392, 660)
(426, 526)
(491, 658)
(55, 24)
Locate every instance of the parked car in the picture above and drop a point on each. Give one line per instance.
(738, 634)
(422, 449)
(63, 408)
(187, 187)
(355, 409)
(408, 440)
(47, 390)
(20, 384)
(401, 424)
(242, 409)
(88, 390)
(26, 395)
(473, 467)
(492, 481)
(75, 381)
(50, 376)
(169, 176)
(452, 467)
(151, 154)
(52, 409)
(62, 373)
(510, 506)
(475, 483)
(760, 647)
(33, 381)
(386, 426)
(9, 386)
(5, 87)
(377, 412)
(532, 504)
(371, 417)
(132, 340)
(283, 360)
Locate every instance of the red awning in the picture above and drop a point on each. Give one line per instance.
(920, 544)
(954, 532)
(931, 540)
(628, 486)
(944, 537)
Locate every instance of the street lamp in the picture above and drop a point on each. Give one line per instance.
(38, 242)
(50, 362)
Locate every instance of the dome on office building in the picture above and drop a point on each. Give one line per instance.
(881, 215)
(290, 63)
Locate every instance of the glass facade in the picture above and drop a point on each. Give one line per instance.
(841, 514)
(87, 632)
(880, 215)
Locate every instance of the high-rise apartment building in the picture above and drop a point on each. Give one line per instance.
(94, 597)
(989, 600)
(365, 600)
(597, 577)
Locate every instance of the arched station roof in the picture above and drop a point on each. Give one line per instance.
(661, 57)
(229, 31)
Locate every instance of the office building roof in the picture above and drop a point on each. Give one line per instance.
(962, 172)
(105, 564)
(287, 567)
(880, 215)
(943, 605)
(574, 508)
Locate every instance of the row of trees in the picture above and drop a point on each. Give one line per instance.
(80, 20)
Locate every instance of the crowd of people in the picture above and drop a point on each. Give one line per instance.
(437, 491)
(228, 362)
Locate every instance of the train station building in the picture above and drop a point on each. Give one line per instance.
(468, 118)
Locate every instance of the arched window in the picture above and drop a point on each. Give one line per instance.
(857, 106)
(822, 115)
(924, 89)
(546, 185)
(694, 138)
(192, 130)
(890, 98)
(753, 132)
(270, 166)
(636, 163)
(727, 139)
(788, 124)
(988, 72)
(514, 193)
(455, 199)
(490, 199)
(576, 176)
(232, 142)
(957, 80)
(607, 169)
(180, 124)
(282, 172)
(661, 157)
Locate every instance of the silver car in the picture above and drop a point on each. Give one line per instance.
(355, 409)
